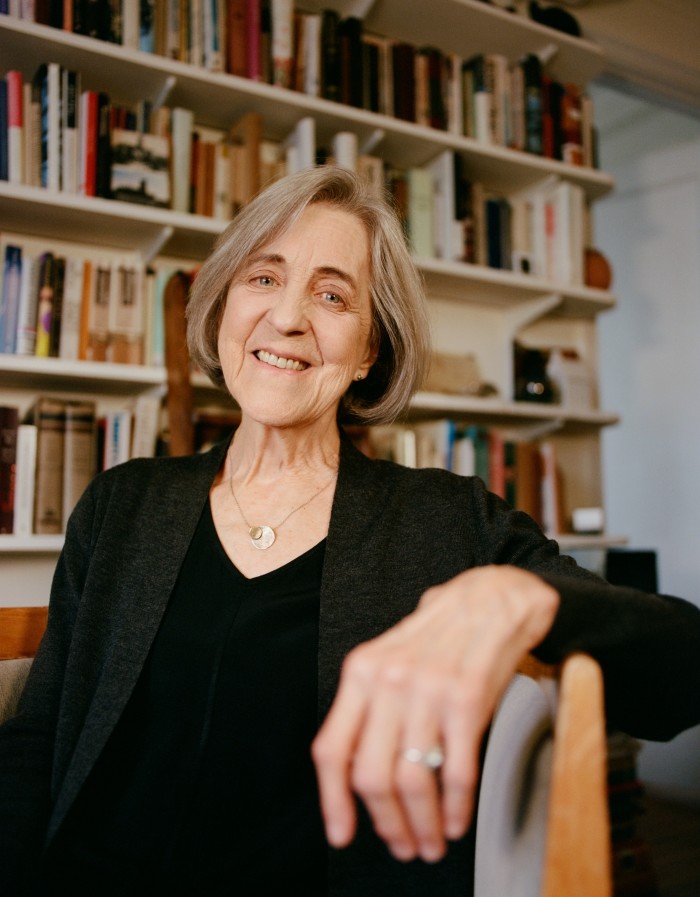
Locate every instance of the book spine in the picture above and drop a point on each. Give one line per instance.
(28, 299)
(15, 127)
(88, 143)
(9, 422)
(49, 417)
(420, 212)
(70, 150)
(330, 55)
(4, 161)
(237, 38)
(254, 66)
(79, 458)
(282, 42)
(69, 340)
(182, 122)
(25, 476)
(59, 273)
(9, 304)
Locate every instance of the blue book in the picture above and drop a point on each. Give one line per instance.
(9, 305)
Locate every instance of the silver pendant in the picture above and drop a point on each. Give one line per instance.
(261, 536)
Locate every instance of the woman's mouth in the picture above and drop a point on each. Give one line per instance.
(278, 361)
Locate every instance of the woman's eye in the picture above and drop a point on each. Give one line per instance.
(331, 298)
(264, 280)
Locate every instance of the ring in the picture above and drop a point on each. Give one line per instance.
(433, 758)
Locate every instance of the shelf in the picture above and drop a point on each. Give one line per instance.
(597, 542)
(31, 373)
(220, 99)
(479, 284)
(107, 222)
(31, 544)
(496, 411)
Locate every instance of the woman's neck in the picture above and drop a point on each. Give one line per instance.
(262, 453)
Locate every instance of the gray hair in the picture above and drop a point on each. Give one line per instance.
(400, 329)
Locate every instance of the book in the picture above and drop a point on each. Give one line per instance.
(10, 298)
(300, 146)
(48, 415)
(15, 126)
(434, 443)
(45, 298)
(254, 49)
(32, 133)
(245, 139)
(404, 80)
(28, 302)
(87, 154)
(70, 137)
(420, 215)
(236, 38)
(4, 150)
(98, 302)
(146, 426)
(351, 58)
(9, 421)
(51, 126)
(59, 274)
(330, 54)
(71, 308)
(25, 474)
(140, 168)
(117, 438)
(282, 16)
(79, 458)
(126, 313)
(345, 150)
(181, 125)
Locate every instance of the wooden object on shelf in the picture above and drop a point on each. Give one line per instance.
(177, 362)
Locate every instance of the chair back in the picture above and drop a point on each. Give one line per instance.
(543, 822)
(21, 630)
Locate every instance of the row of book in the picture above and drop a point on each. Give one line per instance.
(541, 230)
(176, 163)
(50, 454)
(60, 303)
(523, 472)
(488, 97)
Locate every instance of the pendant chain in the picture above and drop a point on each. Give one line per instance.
(256, 532)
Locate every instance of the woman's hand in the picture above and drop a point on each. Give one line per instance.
(432, 680)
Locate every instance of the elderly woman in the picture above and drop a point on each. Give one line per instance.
(209, 612)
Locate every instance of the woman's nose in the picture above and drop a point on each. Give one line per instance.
(289, 310)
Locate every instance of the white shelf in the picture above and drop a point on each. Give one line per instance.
(31, 544)
(575, 542)
(29, 372)
(497, 411)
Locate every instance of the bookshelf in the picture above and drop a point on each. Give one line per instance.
(473, 307)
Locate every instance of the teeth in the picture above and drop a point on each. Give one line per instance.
(288, 364)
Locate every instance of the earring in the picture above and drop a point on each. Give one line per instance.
(358, 377)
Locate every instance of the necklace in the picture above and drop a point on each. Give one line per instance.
(261, 535)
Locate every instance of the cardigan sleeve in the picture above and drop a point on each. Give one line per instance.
(27, 740)
(648, 645)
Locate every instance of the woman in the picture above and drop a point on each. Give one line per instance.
(208, 612)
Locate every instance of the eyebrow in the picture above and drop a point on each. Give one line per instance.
(327, 270)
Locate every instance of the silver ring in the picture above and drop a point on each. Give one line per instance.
(433, 758)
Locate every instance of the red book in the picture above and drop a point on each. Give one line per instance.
(254, 67)
(9, 420)
(15, 126)
(88, 148)
(237, 38)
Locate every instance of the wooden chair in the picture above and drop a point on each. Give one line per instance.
(543, 821)
(21, 630)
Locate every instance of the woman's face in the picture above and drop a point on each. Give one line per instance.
(296, 328)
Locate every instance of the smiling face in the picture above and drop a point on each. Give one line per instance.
(296, 328)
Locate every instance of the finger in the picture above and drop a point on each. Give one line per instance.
(419, 785)
(375, 763)
(333, 750)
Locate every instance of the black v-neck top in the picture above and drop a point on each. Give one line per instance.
(206, 786)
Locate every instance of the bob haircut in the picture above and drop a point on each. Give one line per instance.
(400, 328)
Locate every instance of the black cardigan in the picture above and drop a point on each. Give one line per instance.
(393, 533)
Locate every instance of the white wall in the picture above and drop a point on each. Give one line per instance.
(650, 362)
